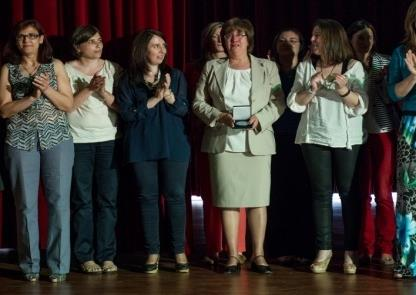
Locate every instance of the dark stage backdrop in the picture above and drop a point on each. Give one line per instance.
(181, 21)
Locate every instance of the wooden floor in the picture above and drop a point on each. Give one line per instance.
(206, 280)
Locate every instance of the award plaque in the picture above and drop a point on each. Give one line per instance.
(241, 116)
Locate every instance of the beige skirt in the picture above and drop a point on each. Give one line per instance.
(240, 180)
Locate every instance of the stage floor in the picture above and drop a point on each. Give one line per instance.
(204, 279)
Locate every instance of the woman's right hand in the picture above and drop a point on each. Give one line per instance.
(158, 97)
(35, 94)
(316, 81)
(410, 61)
(96, 83)
(226, 119)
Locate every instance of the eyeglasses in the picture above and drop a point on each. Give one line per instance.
(237, 35)
(290, 41)
(30, 36)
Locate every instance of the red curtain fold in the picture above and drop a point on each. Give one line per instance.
(81, 17)
(17, 10)
(46, 12)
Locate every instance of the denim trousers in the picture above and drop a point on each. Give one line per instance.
(54, 166)
(94, 201)
(167, 178)
(323, 163)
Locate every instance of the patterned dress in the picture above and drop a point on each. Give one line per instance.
(406, 170)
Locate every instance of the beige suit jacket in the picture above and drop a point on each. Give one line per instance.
(266, 98)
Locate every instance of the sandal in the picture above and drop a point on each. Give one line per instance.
(90, 267)
(108, 266)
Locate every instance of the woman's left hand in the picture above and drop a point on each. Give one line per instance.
(254, 122)
(341, 83)
(167, 92)
(41, 81)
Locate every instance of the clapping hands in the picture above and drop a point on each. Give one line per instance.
(165, 92)
(97, 83)
(410, 61)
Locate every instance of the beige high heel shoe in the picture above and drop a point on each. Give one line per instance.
(350, 268)
(320, 266)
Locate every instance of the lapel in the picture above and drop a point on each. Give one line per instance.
(219, 73)
(257, 76)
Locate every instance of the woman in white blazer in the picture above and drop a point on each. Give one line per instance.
(240, 158)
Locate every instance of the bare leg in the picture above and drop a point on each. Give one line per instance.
(257, 221)
(230, 221)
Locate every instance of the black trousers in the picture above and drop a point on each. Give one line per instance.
(153, 179)
(323, 163)
(290, 230)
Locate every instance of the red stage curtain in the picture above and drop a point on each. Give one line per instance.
(117, 20)
(183, 20)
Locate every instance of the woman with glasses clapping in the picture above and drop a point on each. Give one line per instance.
(34, 95)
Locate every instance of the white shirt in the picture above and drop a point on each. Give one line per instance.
(326, 120)
(237, 89)
(93, 121)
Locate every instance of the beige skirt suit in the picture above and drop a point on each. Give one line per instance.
(240, 179)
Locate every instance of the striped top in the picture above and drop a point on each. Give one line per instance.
(378, 118)
(42, 124)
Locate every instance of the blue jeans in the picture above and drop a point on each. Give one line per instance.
(94, 194)
(170, 177)
(55, 167)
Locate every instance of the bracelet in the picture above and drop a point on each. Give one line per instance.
(346, 94)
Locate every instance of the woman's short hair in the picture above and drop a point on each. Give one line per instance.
(273, 51)
(11, 52)
(138, 60)
(361, 25)
(336, 46)
(238, 24)
(410, 27)
(206, 36)
(82, 34)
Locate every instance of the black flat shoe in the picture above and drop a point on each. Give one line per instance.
(182, 267)
(234, 268)
(263, 269)
(260, 268)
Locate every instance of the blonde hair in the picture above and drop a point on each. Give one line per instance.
(410, 27)
(207, 34)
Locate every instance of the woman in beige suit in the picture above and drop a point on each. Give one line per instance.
(240, 87)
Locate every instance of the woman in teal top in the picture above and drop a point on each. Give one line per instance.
(402, 81)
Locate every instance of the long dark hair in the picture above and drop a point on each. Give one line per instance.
(139, 64)
(13, 55)
(361, 25)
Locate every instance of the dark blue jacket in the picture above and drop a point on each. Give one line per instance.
(156, 133)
